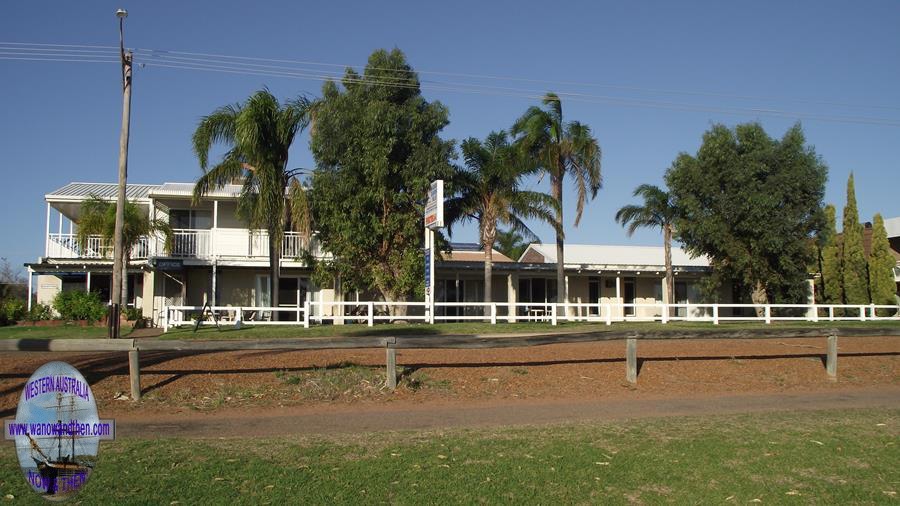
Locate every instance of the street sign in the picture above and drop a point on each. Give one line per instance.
(434, 208)
(427, 272)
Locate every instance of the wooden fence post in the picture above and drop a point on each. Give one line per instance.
(715, 314)
(831, 358)
(371, 313)
(631, 360)
(306, 314)
(608, 309)
(134, 372)
(493, 313)
(391, 366)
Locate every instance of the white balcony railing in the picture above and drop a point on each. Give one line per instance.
(66, 246)
(189, 243)
(186, 243)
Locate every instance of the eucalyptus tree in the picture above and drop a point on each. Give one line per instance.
(377, 145)
(97, 217)
(753, 205)
(258, 134)
(489, 191)
(657, 211)
(560, 148)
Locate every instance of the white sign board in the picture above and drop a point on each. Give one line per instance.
(434, 208)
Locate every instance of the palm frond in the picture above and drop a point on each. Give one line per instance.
(216, 128)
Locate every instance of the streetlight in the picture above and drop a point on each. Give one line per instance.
(120, 271)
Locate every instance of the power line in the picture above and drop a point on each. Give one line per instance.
(221, 63)
(521, 79)
(172, 53)
(530, 94)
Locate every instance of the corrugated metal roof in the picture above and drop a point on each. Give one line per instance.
(595, 254)
(187, 190)
(102, 190)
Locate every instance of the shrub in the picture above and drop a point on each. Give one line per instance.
(39, 312)
(78, 305)
(133, 313)
(11, 311)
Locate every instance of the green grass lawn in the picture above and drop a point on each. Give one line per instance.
(840, 457)
(62, 332)
(280, 331)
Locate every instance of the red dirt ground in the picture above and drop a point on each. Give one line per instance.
(255, 381)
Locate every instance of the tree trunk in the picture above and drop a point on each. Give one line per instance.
(556, 182)
(670, 276)
(490, 236)
(390, 296)
(124, 288)
(274, 271)
(759, 296)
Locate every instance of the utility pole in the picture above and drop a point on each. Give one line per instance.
(119, 277)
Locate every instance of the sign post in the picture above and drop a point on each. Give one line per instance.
(434, 219)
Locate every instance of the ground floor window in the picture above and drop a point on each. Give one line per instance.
(459, 290)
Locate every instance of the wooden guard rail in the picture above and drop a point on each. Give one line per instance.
(392, 343)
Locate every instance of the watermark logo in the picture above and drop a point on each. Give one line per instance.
(57, 431)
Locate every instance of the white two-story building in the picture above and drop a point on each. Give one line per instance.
(217, 259)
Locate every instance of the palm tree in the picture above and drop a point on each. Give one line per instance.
(511, 243)
(559, 148)
(98, 217)
(656, 212)
(488, 191)
(258, 135)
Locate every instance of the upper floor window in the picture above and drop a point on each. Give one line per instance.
(190, 218)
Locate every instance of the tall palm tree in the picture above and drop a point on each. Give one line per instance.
(98, 217)
(656, 212)
(258, 134)
(489, 191)
(560, 148)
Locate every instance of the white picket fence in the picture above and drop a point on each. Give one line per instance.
(369, 312)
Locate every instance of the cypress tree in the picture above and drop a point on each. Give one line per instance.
(832, 282)
(853, 269)
(881, 265)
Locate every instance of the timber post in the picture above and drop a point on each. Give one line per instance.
(134, 373)
(831, 357)
(631, 371)
(391, 359)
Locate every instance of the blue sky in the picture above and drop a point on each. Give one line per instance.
(806, 60)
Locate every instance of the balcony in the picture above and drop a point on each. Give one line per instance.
(66, 246)
(186, 243)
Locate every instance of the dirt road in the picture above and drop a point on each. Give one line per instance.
(407, 416)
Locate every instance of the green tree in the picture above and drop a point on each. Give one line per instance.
(657, 211)
(881, 265)
(560, 148)
(489, 191)
(752, 205)
(258, 135)
(511, 243)
(832, 284)
(98, 217)
(853, 259)
(377, 149)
